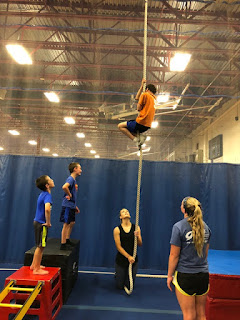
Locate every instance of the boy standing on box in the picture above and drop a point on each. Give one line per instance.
(42, 222)
(69, 207)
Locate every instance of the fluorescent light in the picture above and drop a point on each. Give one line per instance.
(69, 120)
(1, 149)
(19, 54)
(55, 154)
(148, 138)
(14, 132)
(163, 97)
(144, 145)
(32, 142)
(179, 61)
(45, 149)
(97, 156)
(92, 151)
(80, 135)
(88, 145)
(154, 124)
(52, 96)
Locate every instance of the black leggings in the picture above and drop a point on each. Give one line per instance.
(121, 275)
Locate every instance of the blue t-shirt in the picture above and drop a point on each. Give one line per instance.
(189, 261)
(44, 197)
(72, 188)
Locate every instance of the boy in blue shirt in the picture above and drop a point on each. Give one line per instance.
(69, 207)
(42, 221)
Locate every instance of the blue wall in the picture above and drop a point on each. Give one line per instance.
(105, 187)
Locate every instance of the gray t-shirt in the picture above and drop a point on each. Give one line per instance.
(189, 261)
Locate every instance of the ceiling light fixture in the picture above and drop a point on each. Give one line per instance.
(148, 138)
(154, 124)
(1, 149)
(52, 96)
(19, 54)
(45, 149)
(97, 156)
(88, 145)
(32, 142)
(180, 61)
(80, 135)
(69, 120)
(55, 154)
(93, 151)
(14, 132)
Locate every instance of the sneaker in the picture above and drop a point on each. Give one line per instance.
(142, 139)
(65, 247)
(70, 243)
(136, 140)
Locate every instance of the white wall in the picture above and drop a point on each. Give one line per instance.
(223, 123)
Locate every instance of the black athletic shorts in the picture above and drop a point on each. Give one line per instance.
(191, 284)
(41, 233)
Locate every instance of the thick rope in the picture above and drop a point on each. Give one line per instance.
(129, 291)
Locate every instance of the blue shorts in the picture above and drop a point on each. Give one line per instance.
(67, 215)
(134, 127)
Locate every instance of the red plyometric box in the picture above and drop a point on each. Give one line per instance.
(222, 309)
(224, 287)
(48, 302)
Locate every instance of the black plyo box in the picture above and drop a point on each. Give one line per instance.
(66, 260)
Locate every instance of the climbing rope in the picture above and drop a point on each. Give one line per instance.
(129, 291)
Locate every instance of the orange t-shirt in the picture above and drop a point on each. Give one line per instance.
(146, 115)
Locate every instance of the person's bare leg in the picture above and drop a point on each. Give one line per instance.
(187, 305)
(64, 233)
(37, 262)
(69, 229)
(200, 307)
(123, 128)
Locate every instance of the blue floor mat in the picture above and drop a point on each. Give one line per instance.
(96, 297)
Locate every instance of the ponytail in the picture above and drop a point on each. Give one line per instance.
(195, 219)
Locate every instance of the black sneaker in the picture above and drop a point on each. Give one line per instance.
(64, 247)
(70, 243)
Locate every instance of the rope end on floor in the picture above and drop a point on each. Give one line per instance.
(127, 291)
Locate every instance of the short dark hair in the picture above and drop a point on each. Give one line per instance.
(152, 88)
(72, 165)
(41, 182)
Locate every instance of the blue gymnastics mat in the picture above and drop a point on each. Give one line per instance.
(224, 262)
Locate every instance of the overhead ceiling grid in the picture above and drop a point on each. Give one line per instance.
(90, 53)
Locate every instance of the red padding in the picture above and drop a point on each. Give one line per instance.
(222, 309)
(224, 287)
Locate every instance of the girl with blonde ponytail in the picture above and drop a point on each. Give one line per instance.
(188, 260)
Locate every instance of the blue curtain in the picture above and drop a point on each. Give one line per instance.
(105, 187)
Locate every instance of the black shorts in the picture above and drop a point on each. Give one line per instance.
(191, 284)
(41, 233)
(67, 215)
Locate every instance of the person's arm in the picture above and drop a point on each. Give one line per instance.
(47, 214)
(139, 237)
(207, 248)
(172, 264)
(116, 236)
(140, 90)
(65, 188)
